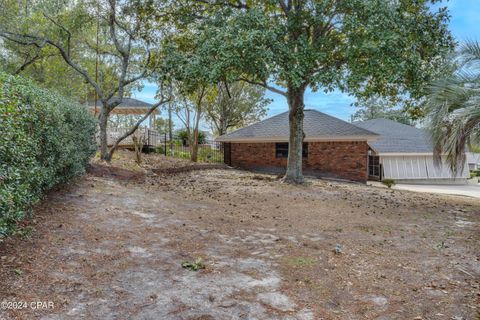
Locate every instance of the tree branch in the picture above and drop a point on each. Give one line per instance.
(131, 80)
(101, 51)
(113, 34)
(28, 61)
(69, 34)
(265, 85)
(238, 4)
(124, 51)
(285, 8)
(40, 42)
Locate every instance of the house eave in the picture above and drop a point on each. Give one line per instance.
(285, 139)
(397, 154)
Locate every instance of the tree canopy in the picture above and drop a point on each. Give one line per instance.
(235, 106)
(72, 27)
(376, 107)
(107, 43)
(362, 47)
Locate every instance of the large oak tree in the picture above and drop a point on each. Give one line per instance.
(389, 48)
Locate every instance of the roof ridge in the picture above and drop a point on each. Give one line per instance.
(316, 124)
(394, 121)
(253, 124)
(346, 122)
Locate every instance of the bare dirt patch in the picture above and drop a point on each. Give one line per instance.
(105, 171)
(111, 247)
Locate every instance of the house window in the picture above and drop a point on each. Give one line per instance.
(281, 150)
(305, 150)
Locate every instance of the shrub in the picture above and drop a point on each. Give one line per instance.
(388, 182)
(160, 150)
(182, 134)
(207, 154)
(179, 154)
(45, 139)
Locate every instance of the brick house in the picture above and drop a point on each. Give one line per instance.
(332, 147)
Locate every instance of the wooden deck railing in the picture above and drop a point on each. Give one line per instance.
(149, 136)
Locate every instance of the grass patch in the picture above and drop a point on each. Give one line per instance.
(193, 266)
(301, 261)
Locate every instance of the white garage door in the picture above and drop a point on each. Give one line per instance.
(443, 171)
(404, 167)
(416, 167)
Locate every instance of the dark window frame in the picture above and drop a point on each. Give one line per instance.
(281, 150)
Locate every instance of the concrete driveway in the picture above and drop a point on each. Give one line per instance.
(462, 190)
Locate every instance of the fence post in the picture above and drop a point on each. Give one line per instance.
(165, 143)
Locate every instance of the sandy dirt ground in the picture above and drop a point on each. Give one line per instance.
(111, 245)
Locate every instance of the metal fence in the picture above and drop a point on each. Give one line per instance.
(208, 150)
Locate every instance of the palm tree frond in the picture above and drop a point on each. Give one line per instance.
(471, 48)
(470, 53)
(453, 107)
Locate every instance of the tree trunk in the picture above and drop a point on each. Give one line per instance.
(194, 146)
(194, 149)
(223, 121)
(222, 130)
(138, 144)
(198, 115)
(295, 118)
(103, 123)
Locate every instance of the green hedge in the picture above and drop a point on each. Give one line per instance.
(45, 139)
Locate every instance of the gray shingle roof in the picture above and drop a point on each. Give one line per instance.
(317, 125)
(126, 103)
(397, 137)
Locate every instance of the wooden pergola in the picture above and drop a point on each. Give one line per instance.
(129, 106)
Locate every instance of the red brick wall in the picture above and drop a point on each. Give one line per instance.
(255, 155)
(343, 159)
(340, 159)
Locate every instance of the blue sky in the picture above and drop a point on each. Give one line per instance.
(464, 25)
